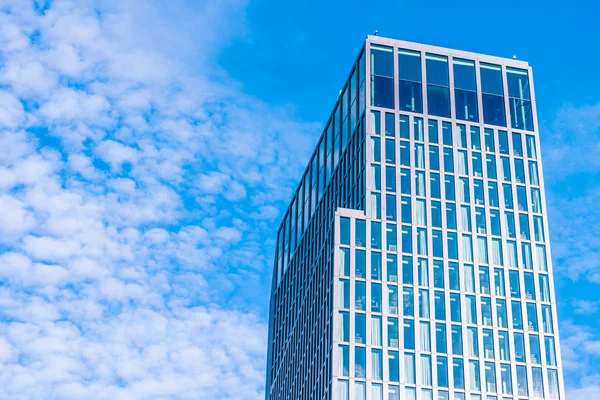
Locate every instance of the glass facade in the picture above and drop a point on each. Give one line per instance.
(413, 262)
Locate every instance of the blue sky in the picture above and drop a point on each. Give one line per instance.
(148, 152)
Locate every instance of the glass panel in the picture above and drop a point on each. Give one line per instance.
(343, 360)
(360, 362)
(393, 366)
(459, 375)
(409, 72)
(505, 379)
(376, 265)
(390, 151)
(376, 364)
(360, 328)
(409, 368)
(440, 338)
(409, 334)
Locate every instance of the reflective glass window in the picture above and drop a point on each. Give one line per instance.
(409, 73)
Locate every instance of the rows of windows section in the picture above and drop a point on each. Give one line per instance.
(343, 122)
(444, 291)
(300, 338)
(402, 72)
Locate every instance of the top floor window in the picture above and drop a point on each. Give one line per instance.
(409, 73)
(438, 91)
(519, 99)
(492, 94)
(382, 76)
(465, 90)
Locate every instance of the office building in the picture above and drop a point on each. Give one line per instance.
(414, 259)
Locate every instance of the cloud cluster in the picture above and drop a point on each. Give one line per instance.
(138, 190)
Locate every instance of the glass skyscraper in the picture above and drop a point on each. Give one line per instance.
(414, 259)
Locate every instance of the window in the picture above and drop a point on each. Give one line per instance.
(486, 311)
(456, 333)
(360, 328)
(453, 276)
(448, 160)
(376, 391)
(390, 179)
(534, 349)
(503, 346)
(407, 270)
(392, 291)
(550, 350)
(343, 293)
(440, 305)
(440, 338)
(345, 231)
(455, 313)
(469, 278)
(360, 295)
(343, 390)
(376, 297)
(436, 214)
(343, 360)
(532, 321)
(490, 162)
(382, 76)
(424, 303)
(344, 261)
(472, 343)
(553, 384)
(425, 336)
(344, 326)
(465, 90)
(393, 366)
(409, 72)
(376, 364)
(519, 99)
(449, 187)
(434, 158)
(459, 374)
(432, 130)
(515, 288)
(376, 331)
(492, 94)
(438, 91)
(419, 156)
(426, 378)
(499, 282)
(520, 347)
(404, 127)
(522, 388)
(391, 267)
(408, 302)
(360, 362)
(447, 133)
(490, 377)
(438, 274)
(544, 288)
(360, 391)
(488, 343)
(517, 315)
(391, 236)
(392, 326)
(547, 319)
(505, 379)
(531, 147)
(375, 149)
(442, 371)
(474, 380)
(501, 313)
(360, 264)
(409, 334)
(376, 265)
(484, 280)
(538, 384)
(451, 216)
(405, 210)
(409, 369)
(390, 125)
(375, 235)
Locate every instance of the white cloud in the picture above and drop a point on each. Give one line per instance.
(11, 110)
(140, 208)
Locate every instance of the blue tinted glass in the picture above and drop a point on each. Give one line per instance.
(493, 110)
(411, 97)
(438, 101)
(382, 92)
(382, 60)
(437, 70)
(521, 114)
(491, 79)
(464, 74)
(518, 83)
(466, 105)
(409, 65)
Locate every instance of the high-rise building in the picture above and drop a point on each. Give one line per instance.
(414, 259)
